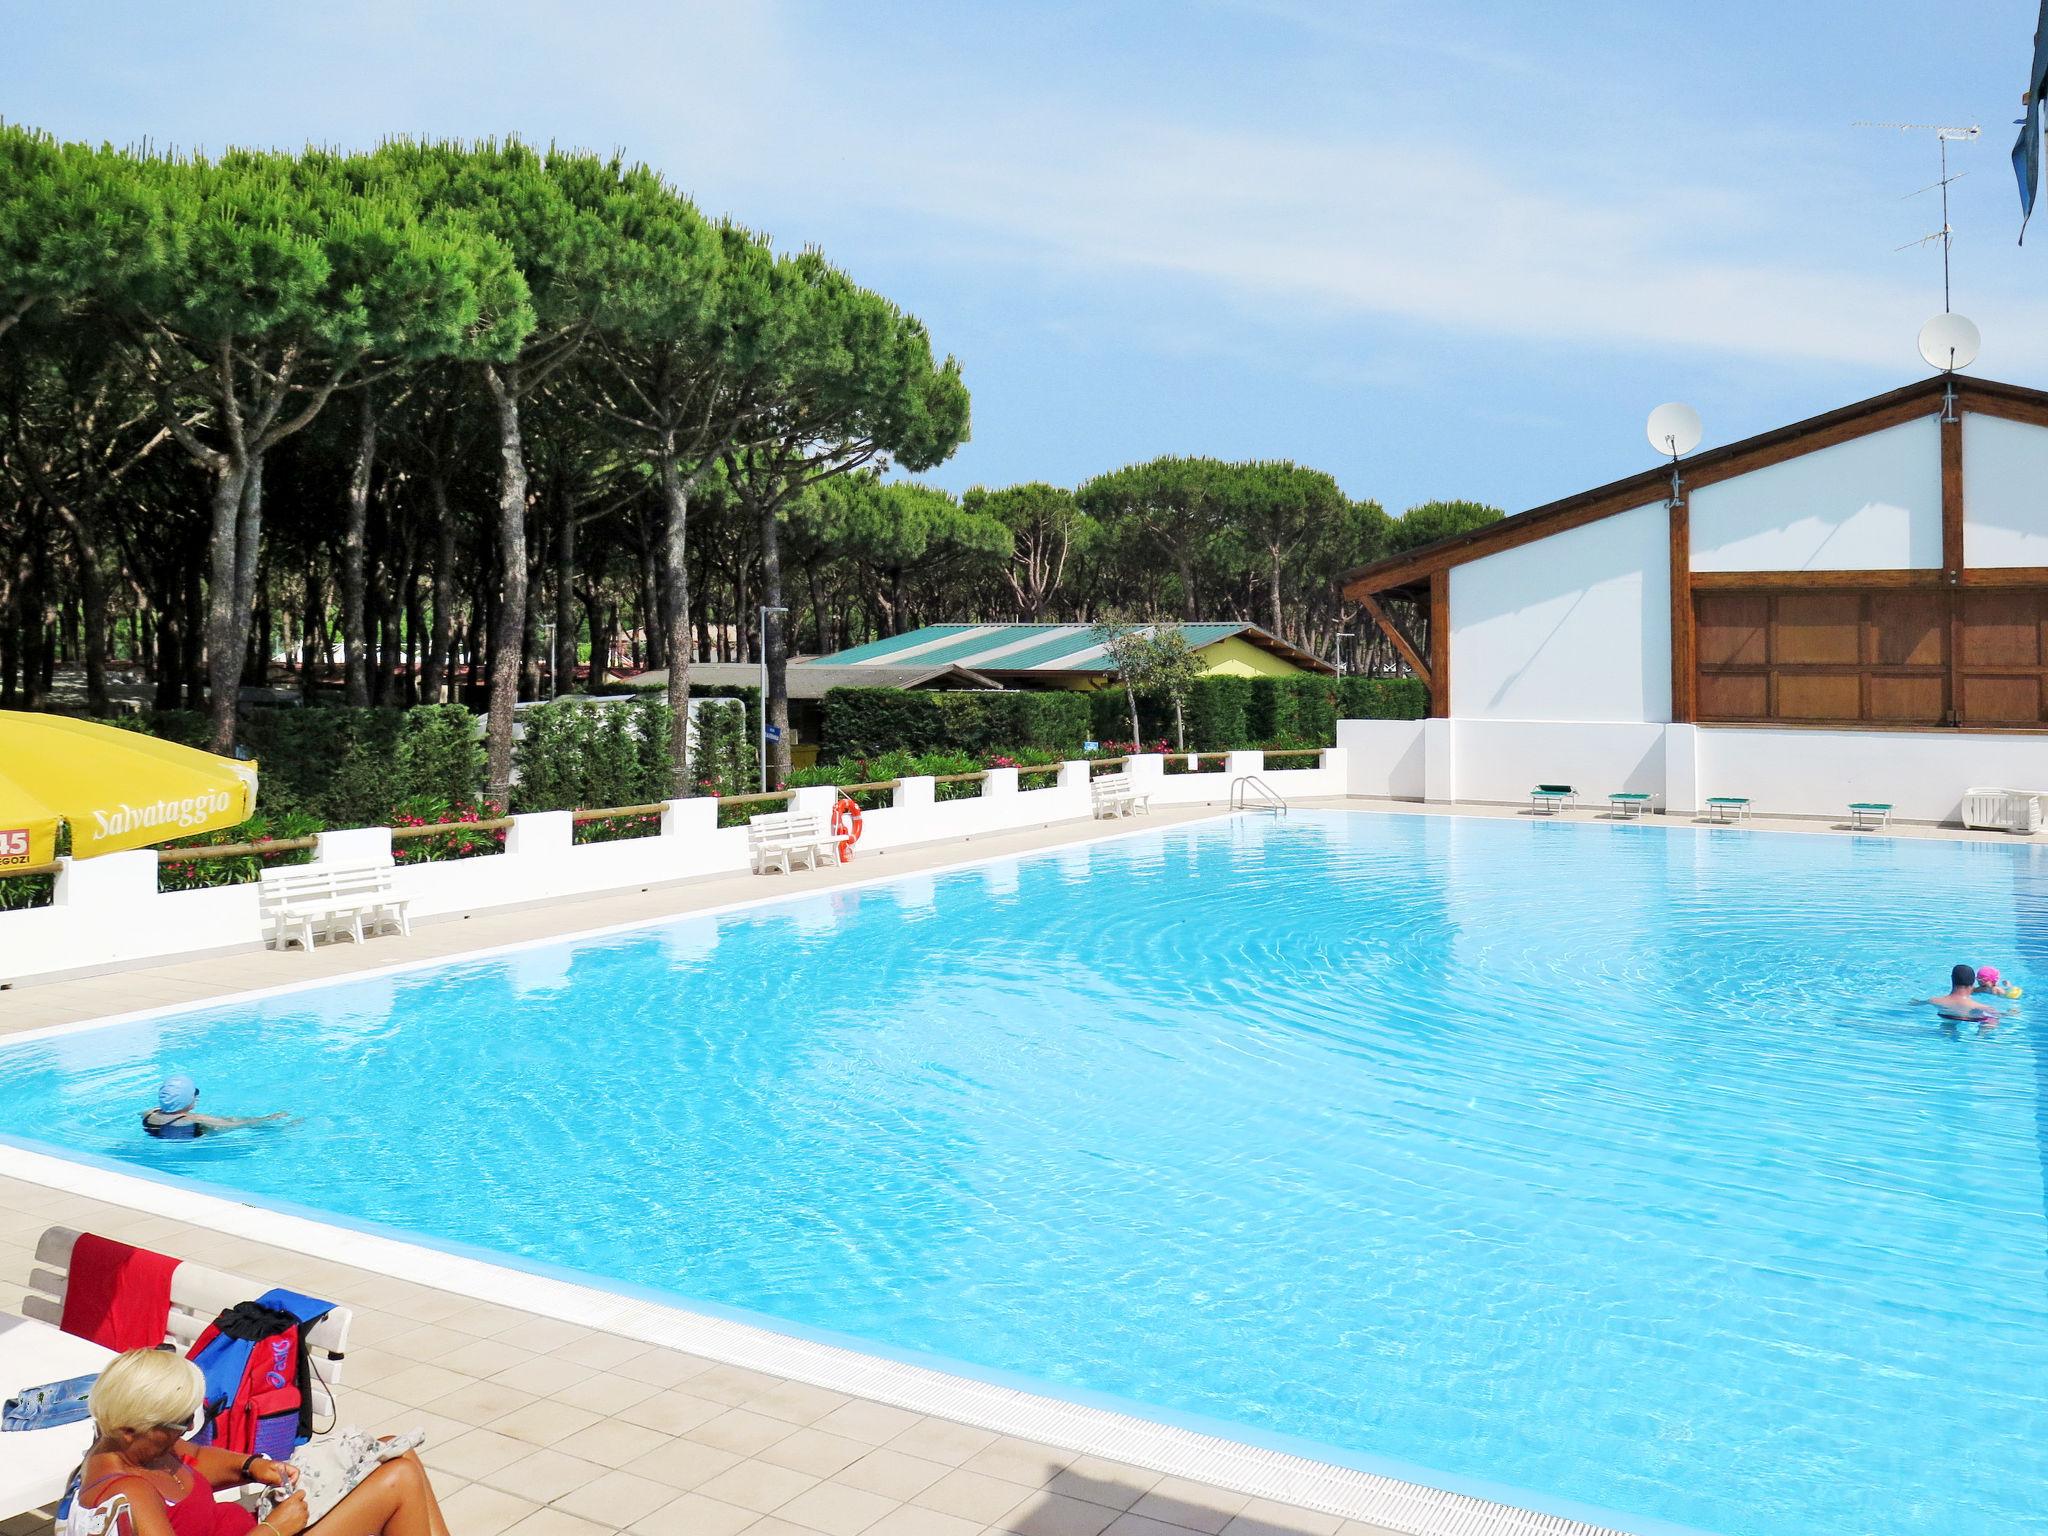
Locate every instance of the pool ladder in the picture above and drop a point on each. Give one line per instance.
(1243, 789)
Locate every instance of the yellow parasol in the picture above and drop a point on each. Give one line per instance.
(118, 789)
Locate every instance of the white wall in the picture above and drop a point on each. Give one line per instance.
(1384, 758)
(1501, 760)
(1576, 626)
(1782, 772)
(108, 910)
(1817, 773)
(1872, 503)
(2005, 492)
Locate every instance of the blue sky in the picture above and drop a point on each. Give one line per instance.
(1446, 250)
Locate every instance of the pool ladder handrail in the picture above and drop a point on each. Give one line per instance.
(1241, 789)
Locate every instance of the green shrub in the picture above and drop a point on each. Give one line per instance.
(1383, 698)
(727, 759)
(439, 754)
(576, 755)
(197, 874)
(463, 839)
(866, 721)
(861, 722)
(1216, 713)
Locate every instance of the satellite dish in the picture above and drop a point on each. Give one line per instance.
(1674, 429)
(1949, 342)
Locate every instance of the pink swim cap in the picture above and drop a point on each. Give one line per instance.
(1987, 975)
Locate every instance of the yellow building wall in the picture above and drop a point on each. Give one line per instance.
(1228, 657)
(1235, 656)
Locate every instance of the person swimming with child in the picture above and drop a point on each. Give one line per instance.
(1964, 1003)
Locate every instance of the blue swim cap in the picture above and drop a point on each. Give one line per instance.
(177, 1093)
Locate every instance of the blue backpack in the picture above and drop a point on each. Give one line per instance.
(259, 1398)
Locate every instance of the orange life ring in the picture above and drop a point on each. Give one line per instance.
(845, 825)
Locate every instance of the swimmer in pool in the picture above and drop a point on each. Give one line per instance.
(177, 1118)
(1961, 1005)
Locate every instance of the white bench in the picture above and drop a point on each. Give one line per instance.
(198, 1295)
(307, 900)
(1114, 795)
(779, 840)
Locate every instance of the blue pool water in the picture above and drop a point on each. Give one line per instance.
(1603, 1163)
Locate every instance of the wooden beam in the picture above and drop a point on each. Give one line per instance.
(1713, 581)
(1952, 500)
(1952, 556)
(2033, 412)
(1681, 612)
(1972, 576)
(1396, 638)
(1440, 644)
(2005, 576)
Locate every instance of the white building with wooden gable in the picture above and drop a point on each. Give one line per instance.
(1850, 607)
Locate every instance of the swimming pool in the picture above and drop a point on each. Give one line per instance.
(1605, 1163)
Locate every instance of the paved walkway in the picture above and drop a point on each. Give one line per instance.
(544, 1428)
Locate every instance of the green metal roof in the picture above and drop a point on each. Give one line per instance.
(1047, 648)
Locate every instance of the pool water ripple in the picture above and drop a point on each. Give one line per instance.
(1609, 1164)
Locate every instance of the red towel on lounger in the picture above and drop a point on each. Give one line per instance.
(118, 1296)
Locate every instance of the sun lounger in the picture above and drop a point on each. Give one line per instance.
(1545, 799)
(1113, 795)
(199, 1294)
(1630, 803)
(1726, 808)
(2003, 810)
(1869, 815)
(780, 840)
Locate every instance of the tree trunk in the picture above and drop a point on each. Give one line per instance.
(675, 497)
(92, 597)
(562, 665)
(510, 631)
(315, 620)
(436, 674)
(1131, 697)
(354, 529)
(774, 647)
(1275, 591)
(224, 637)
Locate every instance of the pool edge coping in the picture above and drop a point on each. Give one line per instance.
(1173, 1450)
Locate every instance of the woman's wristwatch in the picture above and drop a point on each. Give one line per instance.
(248, 1465)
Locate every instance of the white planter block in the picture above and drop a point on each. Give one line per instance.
(356, 845)
(111, 880)
(814, 799)
(692, 818)
(540, 834)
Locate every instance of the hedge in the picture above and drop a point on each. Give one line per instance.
(1224, 713)
(346, 767)
(863, 722)
(573, 753)
(1383, 698)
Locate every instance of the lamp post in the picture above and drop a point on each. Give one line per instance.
(763, 743)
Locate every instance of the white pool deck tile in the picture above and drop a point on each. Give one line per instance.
(555, 1410)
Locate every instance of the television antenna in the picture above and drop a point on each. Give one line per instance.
(1674, 430)
(1945, 134)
